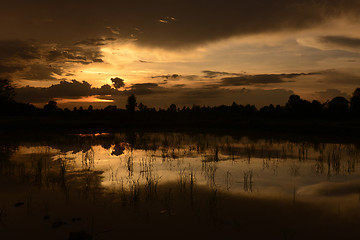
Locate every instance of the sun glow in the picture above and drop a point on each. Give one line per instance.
(88, 99)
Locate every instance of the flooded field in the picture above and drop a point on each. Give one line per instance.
(108, 186)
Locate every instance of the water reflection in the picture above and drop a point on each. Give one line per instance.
(224, 163)
(133, 168)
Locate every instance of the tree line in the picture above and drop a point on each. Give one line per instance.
(295, 107)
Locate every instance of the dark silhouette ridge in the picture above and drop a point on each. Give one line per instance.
(337, 116)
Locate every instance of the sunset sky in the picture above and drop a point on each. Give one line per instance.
(178, 51)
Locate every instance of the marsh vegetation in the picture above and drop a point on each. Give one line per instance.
(136, 184)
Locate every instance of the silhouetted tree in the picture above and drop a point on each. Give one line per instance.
(294, 102)
(51, 107)
(249, 109)
(172, 108)
(131, 103)
(110, 108)
(90, 108)
(355, 102)
(298, 106)
(316, 107)
(338, 105)
(356, 93)
(7, 91)
(142, 107)
(195, 108)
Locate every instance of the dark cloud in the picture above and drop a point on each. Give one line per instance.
(80, 61)
(16, 49)
(95, 41)
(6, 69)
(55, 55)
(118, 82)
(64, 89)
(213, 74)
(152, 94)
(75, 54)
(143, 61)
(105, 90)
(235, 79)
(41, 72)
(145, 89)
(70, 89)
(31, 60)
(341, 41)
(177, 77)
(245, 80)
(14, 54)
(144, 85)
(199, 22)
(179, 85)
(98, 60)
(166, 24)
(169, 76)
(76, 89)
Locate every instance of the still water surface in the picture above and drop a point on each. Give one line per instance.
(263, 168)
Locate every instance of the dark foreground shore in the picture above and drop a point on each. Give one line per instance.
(172, 211)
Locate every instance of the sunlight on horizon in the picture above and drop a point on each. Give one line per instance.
(89, 99)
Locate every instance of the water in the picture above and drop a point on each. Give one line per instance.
(301, 181)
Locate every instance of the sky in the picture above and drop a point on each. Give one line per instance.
(179, 51)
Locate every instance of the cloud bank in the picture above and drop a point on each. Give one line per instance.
(165, 24)
(30, 60)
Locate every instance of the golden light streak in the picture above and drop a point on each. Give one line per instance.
(88, 99)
